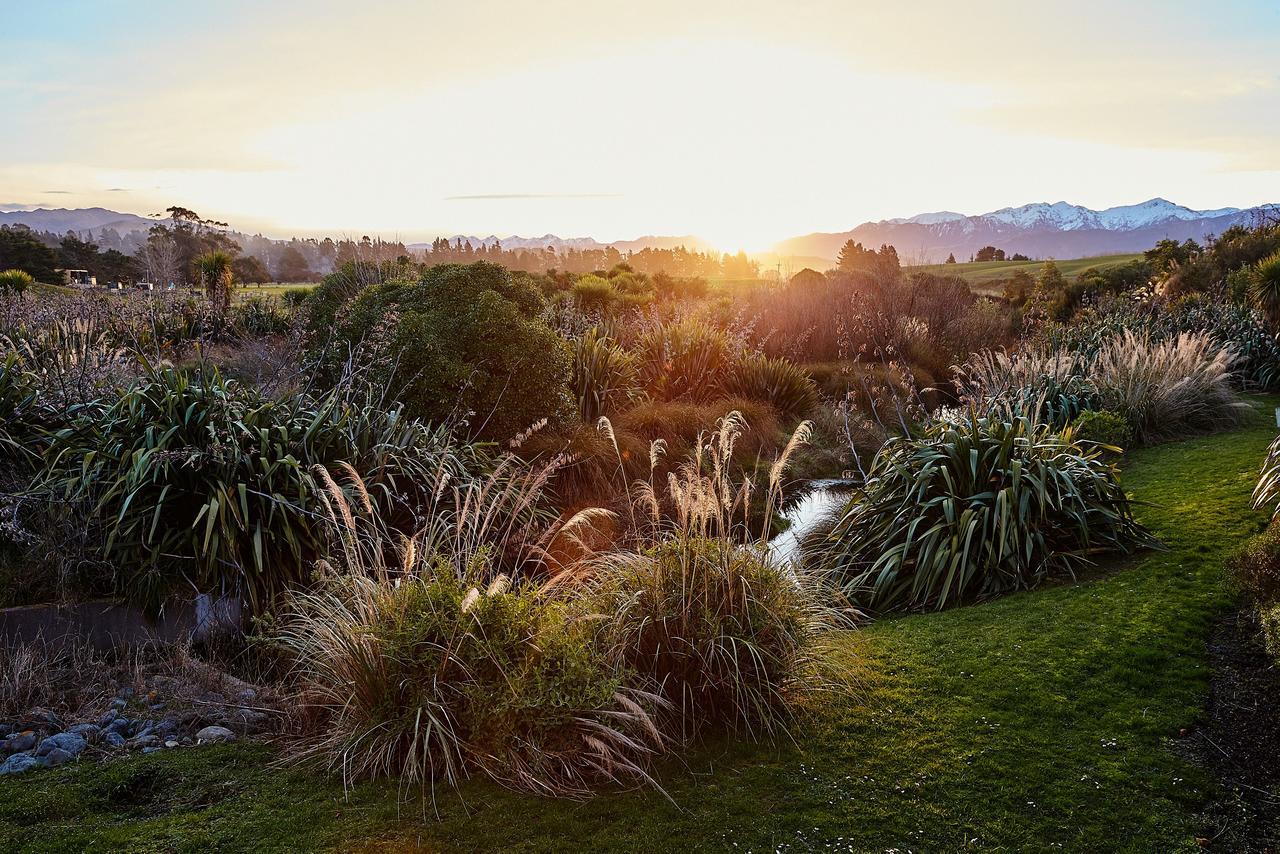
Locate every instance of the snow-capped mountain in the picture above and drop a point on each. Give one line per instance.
(1038, 230)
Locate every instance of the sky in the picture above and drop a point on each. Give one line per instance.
(741, 122)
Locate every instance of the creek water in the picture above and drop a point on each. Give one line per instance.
(820, 500)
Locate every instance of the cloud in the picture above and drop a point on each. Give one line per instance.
(117, 190)
(489, 196)
(58, 193)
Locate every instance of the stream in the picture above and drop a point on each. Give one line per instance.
(820, 499)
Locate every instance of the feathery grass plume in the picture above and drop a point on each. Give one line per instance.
(703, 614)
(455, 669)
(1168, 388)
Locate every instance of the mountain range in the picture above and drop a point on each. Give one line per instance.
(1037, 230)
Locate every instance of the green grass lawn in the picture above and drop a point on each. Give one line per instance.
(1041, 721)
(982, 275)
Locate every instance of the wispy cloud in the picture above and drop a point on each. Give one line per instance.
(489, 196)
(58, 193)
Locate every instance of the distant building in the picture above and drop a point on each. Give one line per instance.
(78, 278)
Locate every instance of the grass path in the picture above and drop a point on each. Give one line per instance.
(1042, 721)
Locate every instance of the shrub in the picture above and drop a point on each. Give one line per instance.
(726, 635)
(23, 420)
(462, 342)
(785, 386)
(259, 315)
(1103, 428)
(1254, 567)
(723, 634)
(15, 281)
(193, 479)
(1168, 388)
(1264, 287)
(1048, 386)
(687, 359)
(604, 376)
(975, 508)
(451, 671)
(594, 293)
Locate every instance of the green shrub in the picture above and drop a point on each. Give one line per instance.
(1103, 428)
(688, 359)
(604, 376)
(593, 293)
(975, 508)
(723, 634)
(462, 342)
(192, 479)
(1264, 287)
(784, 385)
(261, 315)
(24, 421)
(295, 297)
(15, 281)
(452, 671)
(1254, 567)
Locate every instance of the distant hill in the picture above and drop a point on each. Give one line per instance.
(79, 220)
(1039, 230)
(560, 243)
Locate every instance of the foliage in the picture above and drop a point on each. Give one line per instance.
(1167, 388)
(1253, 568)
(974, 508)
(684, 359)
(193, 479)
(442, 675)
(21, 249)
(1264, 288)
(15, 281)
(724, 632)
(213, 270)
(780, 383)
(604, 376)
(1119, 659)
(461, 342)
(1103, 428)
(23, 420)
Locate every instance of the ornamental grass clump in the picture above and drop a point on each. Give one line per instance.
(432, 658)
(1168, 388)
(702, 613)
(974, 508)
(451, 671)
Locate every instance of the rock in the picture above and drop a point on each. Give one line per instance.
(56, 757)
(70, 743)
(90, 732)
(186, 741)
(125, 693)
(171, 744)
(249, 720)
(144, 740)
(19, 762)
(151, 749)
(107, 719)
(165, 728)
(40, 718)
(119, 703)
(214, 735)
(157, 707)
(113, 739)
(247, 696)
(5, 730)
(20, 742)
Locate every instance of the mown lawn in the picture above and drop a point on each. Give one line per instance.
(1042, 721)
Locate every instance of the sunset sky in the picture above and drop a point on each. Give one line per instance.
(742, 122)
